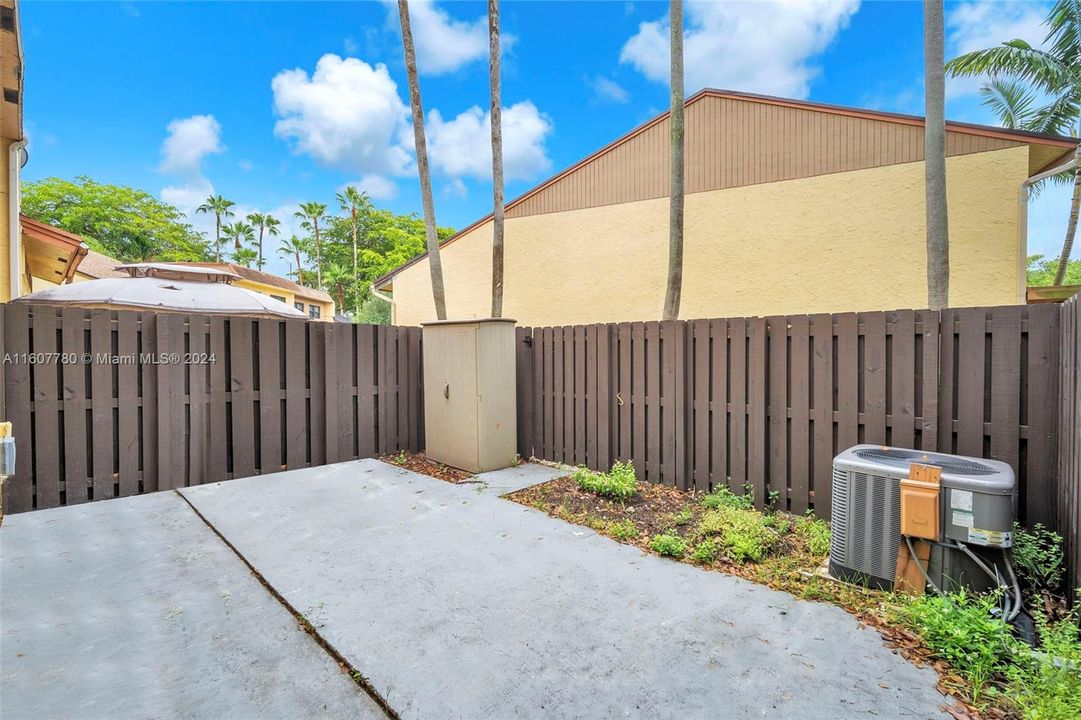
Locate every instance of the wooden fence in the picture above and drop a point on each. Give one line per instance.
(1069, 468)
(768, 402)
(114, 403)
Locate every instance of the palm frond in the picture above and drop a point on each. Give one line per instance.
(1010, 100)
(1018, 60)
(1059, 117)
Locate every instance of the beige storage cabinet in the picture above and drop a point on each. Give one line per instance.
(469, 393)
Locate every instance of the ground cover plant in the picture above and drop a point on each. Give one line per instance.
(988, 671)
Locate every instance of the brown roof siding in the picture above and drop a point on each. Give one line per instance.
(100, 266)
(744, 139)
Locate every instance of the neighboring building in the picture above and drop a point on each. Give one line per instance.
(316, 304)
(96, 266)
(791, 207)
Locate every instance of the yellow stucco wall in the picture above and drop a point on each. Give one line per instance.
(5, 235)
(326, 309)
(831, 243)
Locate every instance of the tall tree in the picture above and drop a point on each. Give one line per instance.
(338, 278)
(431, 235)
(934, 157)
(313, 212)
(675, 201)
(221, 208)
(294, 248)
(125, 223)
(496, 113)
(242, 234)
(1054, 72)
(356, 203)
(267, 224)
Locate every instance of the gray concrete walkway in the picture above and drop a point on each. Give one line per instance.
(133, 608)
(458, 604)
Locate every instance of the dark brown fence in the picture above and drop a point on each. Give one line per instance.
(768, 402)
(1069, 486)
(163, 401)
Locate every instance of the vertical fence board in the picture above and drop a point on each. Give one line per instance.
(591, 399)
(624, 396)
(1006, 386)
(823, 405)
(218, 467)
(606, 407)
(902, 390)
(241, 384)
(653, 402)
(76, 476)
(737, 441)
(638, 399)
(19, 488)
(874, 377)
(270, 396)
(699, 401)
(932, 342)
(777, 330)
(366, 400)
(46, 399)
(1043, 376)
(799, 434)
(718, 350)
(757, 442)
(101, 399)
(128, 401)
(971, 375)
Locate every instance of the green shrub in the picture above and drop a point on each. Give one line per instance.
(670, 545)
(705, 552)
(1037, 553)
(619, 482)
(815, 534)
(683, 517)
(623, 530)
(1046, 684)
(959, 628)
(723, 497)
(743, 535)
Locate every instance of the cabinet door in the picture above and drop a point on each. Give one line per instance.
(450, 395)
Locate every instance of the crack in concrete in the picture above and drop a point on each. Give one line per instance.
(362, 682)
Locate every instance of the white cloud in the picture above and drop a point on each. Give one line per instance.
(462, 146)
(984, 24)
(443, 43)
(188, 142)
(377, 187)
(606, 90)
(765, 47)
(347, 114)
(189, 196)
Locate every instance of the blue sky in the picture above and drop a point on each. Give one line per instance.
(272, 103)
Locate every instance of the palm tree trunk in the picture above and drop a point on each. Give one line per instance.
(1071, 226)
(430, 234)
(675, 202)
(217, 237)
(356, 286)
(497, 157)
(260, 263)
(300, 275)
(318, 255)
(938, 238)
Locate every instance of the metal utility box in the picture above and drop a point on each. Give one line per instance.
(975, 506)
(469, 393)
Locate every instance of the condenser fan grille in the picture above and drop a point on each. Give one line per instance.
(903, 458)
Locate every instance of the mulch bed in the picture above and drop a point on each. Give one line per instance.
(418, 463)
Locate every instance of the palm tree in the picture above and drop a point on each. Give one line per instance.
(431, 236)
(294, 248)
(355, 203)
(220, 207)
(313, 212)
(241, 233)
(675, 202)
(245, 256)
(1054, 72)
(934, 157)
(337, 278)
(497, 157)
(266, 223)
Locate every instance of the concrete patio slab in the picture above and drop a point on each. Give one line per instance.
(513, 479)
(457, 604)
(133, 608)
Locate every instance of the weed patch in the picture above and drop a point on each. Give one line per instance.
(623, 530)
(670, 545)
(619, 482)
(742, 535)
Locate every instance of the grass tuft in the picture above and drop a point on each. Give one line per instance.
(742, 535)
(619, 482)
(670, 545)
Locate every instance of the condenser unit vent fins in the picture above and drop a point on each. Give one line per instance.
(904, 458)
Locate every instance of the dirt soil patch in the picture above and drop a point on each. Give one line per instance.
(418, 463)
